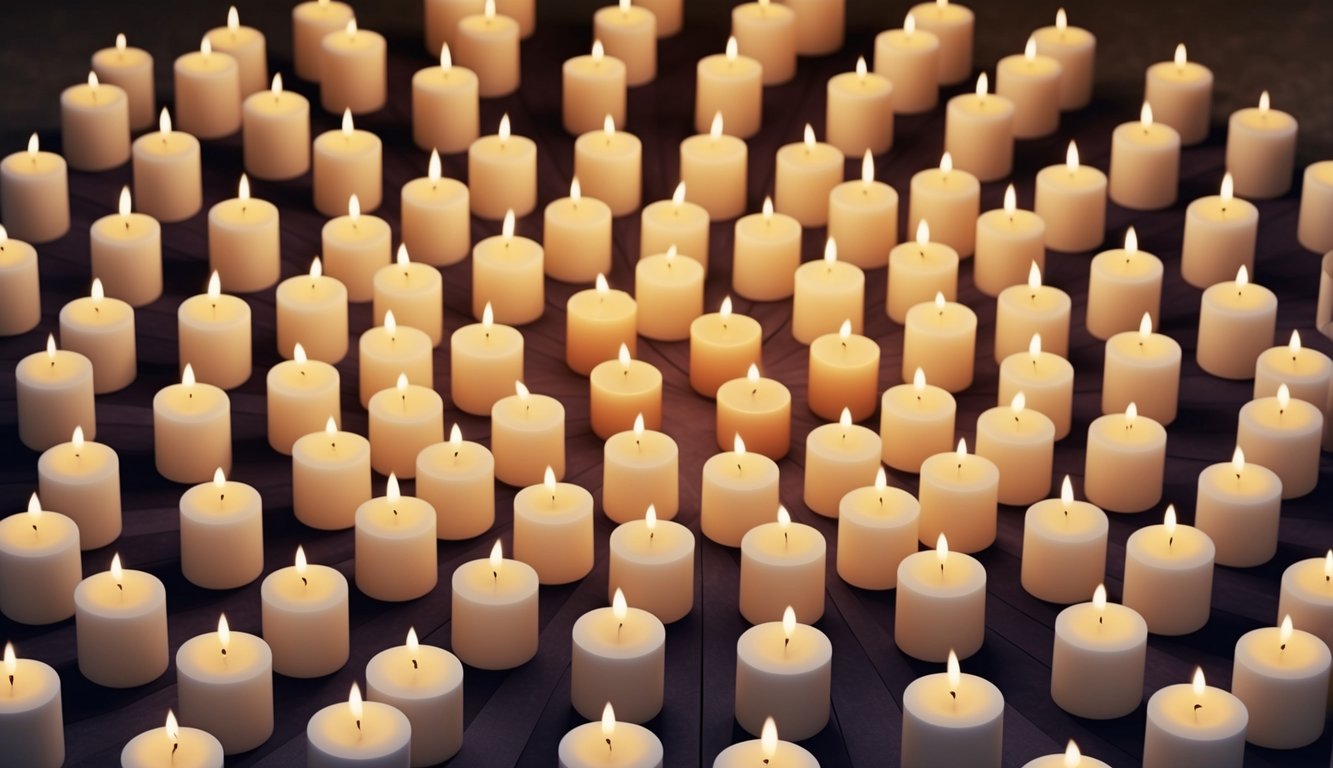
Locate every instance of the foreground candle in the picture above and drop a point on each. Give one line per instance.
(224, 682)
(1284, 435)
(330, 477)
(1236, 324)
(213, 334)
(583, 746)
(167, 179)
(95, 125)
(940, 608)
(1169, 576)
(494, 613)
(618, 659)
(1098, 659)
(303, 601)
(358, 733)
(457, 478)
(1307, 595)
(1281, 674)
(425, 683)
(1192, 722)
(191, 430)
(243, 241)
(34, 194)
(783, 674)
(172, 745)
(1064, 549)
(130, 69)
(782, 564)
(877, 529)
(312, 311)
(54, 394)
(222, 534)
(652, 561)
(952, 719)
(81, 479)
(1261, 150)
(1238, 506)
(1220, 235)
(39, 562)
(120, 619)
(275, 133)
(765, 748)
(31, 722)
(395, 546)
(553, 530)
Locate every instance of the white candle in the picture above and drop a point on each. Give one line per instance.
(553, 530)
(20, 286)
(652, 561)
(713, 167)
(826, 294)
(101, 329)
(1194, 722)
(34, 194)
(1238, 505)
(301, 395)
(910, 59)
(1307, 595)
(208, 92)
(1123, 285)
(730, 85)
(1281, 676)
(838, 458)
(952, 719)
(222, 534)
(300, 602)
(494, 612)
(1220, 235)
(844, 374)
(1032, 82)
(355, 248)
(592, 88)
(859, 111)
(247, 46)
(950, 199)
(330, 477)
(95, 125)
(1098, 659)
(31, 717)
(766, 32)
(979, 132)
(1064, 548)
(130, 69)
(917, 271)
(739, 491)
(1145, 163)
(1181, 95)
(395, 546)
(404, 420)
(1261, 150)
(767, 253)
(757, 409)
(1076, 50)
(54, 394)
(224, 683)
(953, 25)
(445, 111)
(1024, 310)
(352, 70)
(1315, 224)
(629, 34)
(312, 311)
(958, 496)
(485, 359)
(458, 478)
(1169, 576)
(414, 292)
(347, 161)
(172, 745)
(783, 674)
(1046, 380)
(782, 564)
(768, 747)
(167, 177)
(213, 335)
(527, 434)
(1020, 442)
(502, 174)
(940, 338)
(916, 422)
(435, 217)
(640, 466)
(806, 173)
(390, 350)
(675, 223)
(618, 658)
(1284, 435)
(120, 621)
(81, 479)
(1009, 242)
(243, 241)
(275, 133)
(877, 529)
(610, 163)
(940, 608)
(576, 235)
(191, 430)
(1125, 461)
(425, 683)
(126, 254)
(311, 21)
(582, 747)
(40, 566)
(1236, 324)
(507, 276)
(1307, 373)
(863, 217)
(1071, 199)
(358, 733)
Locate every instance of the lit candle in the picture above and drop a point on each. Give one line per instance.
(640, 465)
(669, 291)
(404, 420)
(917, 271)
(31, 717)
(414, 292)
(1076, 50)
(877, 530)
(191, 430)
(222, 534)
(1314, 227)
(1071, 199)
(1125, 461)
(675, 222)
(940, 607)
(610, 164)
(445, 110)
(1180, 92)
(213, 335)
(826, 294)
(208, 92)
(757, 409)
(1142, 367)
(1064, 550)
(388, 350)
(1021, 443)
(940, 338)
(502, 173)
(1098, 659)
(1032, 82)
(1238, 506)
(553, 529)
(120, 623)
(81, 479)
(629, 34)
(95, 125)
(863, 218)
(53, 391)
(597, 322)
(243, 241)
(458, 478)
(312, 311)
(910, 59)
(436, 226)
(507, 276)
(838, 459)
(1169, 576)
(224, 683)
(1261, 150)
(592, 89)
(312, 20)
(1281, 676)
(1237, 321)
(916, 422)
(1307, 373)
(952, 719)
(979, 132)
(806, 173)
(953, 25)
(348, 161)
(958, 494)
(330, 477)
(1045, 379)
(130, 69)
(1123, 285)
(441, 22)
(783, 675)
(713, 168)
(576, 234)
(487, 43)
(101, 329)
(843, 374)
(303, 601)
(395, 546)
(731, 85)
(820, 26)
(621, 388)
(1220, 235)
(485, 359)
(172, 744)
(859, 111)
(766, 32)
(275, 132)
(652, 561)
(20, 286)
(1284, 435)
(494, 613)
(167, 178)
(723, 345)
(247, 46)
(34, 194)
(1009, 242)
(40, 566)
(527, 433)
(739, 491)
(766, 254)
(125, 251)
(301, 394)
(950, 199)
(358, 732)
(353, 70)
(1145, 163)
(669, 13)
(584, 746)
(618, 658)
(768, 747)
(1194, 722)
(425, 683)
(1307, 595)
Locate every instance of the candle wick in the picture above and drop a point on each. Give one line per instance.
(785, 643)
(1197, 707)
(224, 652)
(651, 534)
(1171, 542)
(622, 626)
(608, 745)
(639, 444)
(358, 728)
(495, 576)
(305, 582)
(414, 664)
(175, 746)
(786, 541)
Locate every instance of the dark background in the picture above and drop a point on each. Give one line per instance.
(518, 717)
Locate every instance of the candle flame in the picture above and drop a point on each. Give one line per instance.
(942, 542)
(623, 356)
(1242, 277)
(678, 196)
(867, 167)
(946, 163)
(1169, 520)
(1145, 327)
(412, 643)
(172, 728)
(733, 48)
(488, 9)
(34, 509)
(298, 354)
(954, 672)
(1131, 413)
(1145, 115)
(608, 713)
(93, 81)
(507, 228)
(33, 146)
(809, 137)
(390, 323)
(939, 301)
(455, 436)
(1017, 405)
(11, 661)
(433, 170)
(738, 445)
(187, 376)
(609, 126)
(1030, 48)
(347, 125)
(98, 292)
(354, 702)
(1061, 22)
(51, 346)
(1238, 460)
(121, 42)
(598, 51)
(1294, 346)
(1072, 755)
(830, 252)
(638, 425)
(619, 608)
(401, 257)
(351, 27)
(919, 380)
(447, 57)
(497, 556)
(1181, 58)
(1010, 201)
(784, 518)
(300, 562)
(214, 286)
(845, 418)
(983, 85)
(487, 317)
(881, 480)
(504, 129)
(1328, 565)
(1034, 346)
(1284, 633)
(125, 200)
(1071, 157)
(1099, 597)
(768, 208)
(1034, 277)
(576, 189)
(548, 479)
(624, 6)
(521, 390)
(650, 518)
(909, 24)
(4, 235)
(1131, 240)
(1198, 682)
(117, 572)
(671, 254)
(243, 188)
(224, 632)
(401, 386)
(1228, 190)
(1264, 102)
(922, 233)
(752, 374)
(715, 129)
(354, 207)
(316, 269)
(206, 47)
(233, 19)
(330, 427)
(725, 309)
(219, 479)
(861, 70)
(391, 489)
(788, 621)
(845, 332)
(1283, 397)
(77, 438)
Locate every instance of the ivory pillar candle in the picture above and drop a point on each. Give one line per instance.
(173, 745)
(1124, 284)
(330, 477)
(1009, 242)
(767, 748)
(827, 293)
(609, 164)
(916, 421)
(622, 390)
(348, 161)
(1075, 49)
(130, 69)
(244, 248)
(940, 338)
(485, 360)
(208, 92)
(1220, 235)
(582, 747)
(640, 466)
(1195, 722)
(1019, 441)
(125, 251)
(618, 658)
(597, 322)
(1071, 199)
(877, 529)
(1145, 163)
(191, 430)
(395, 546)
(730, 85)
(247, 46)
(353, 70)
(1142, 367)
(838, 459)
(312, 20)
(652, 561)
(918, 271)
(952, 719)
(739, 491)
(1238, 505)
(674, 223)
(101, 329)
(950, 200)
(299, 602)
(301, 395)
(94, 125)
(390, 350)
(502, 174)
(39, 559)
(441, 21)
(843, 374)
(1314, 228)
(445, 111)
(81, 479)
(1169, 576)
(629, 33)
(221, 533)
(1180, 93)
(669, 15)
(457, 478)
(20, 287)
(576, 235)
(940, 608)
(275, 133)
(312, 311)
(1307, 595)
(213, 335)
(766, 254)
(488, 43)
(863, 218)
(1306, 372)
(819, 25)
(404, 420)
(723, 346)
(34, 194)
(494, 612)
(958, 495)
(553, 530)
(592, 89)
(527, 434)
(1032, 83)
(167, 180)
(1125, 461)
(783, 676)
(31, 718)
(435, 221)
(952, 24)
(1280, 674)
(805, 175)
(1098, 659)
(425, 683)
(120, 623)
(414, 292)
(713, 168)
(859, 111)
(1045, 379)
(979, 132)
(1064, 549)
(54, 395)
(1284, 435)
(669, 292)
(1261, 150)
(910, 60)
(507, 277)
(766, 32)
(1236, 324)
(757, 410)
(224, 682)
(358, 733)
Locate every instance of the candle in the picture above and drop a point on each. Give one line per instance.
(1145, 163)
(629, 34)
(1020, 442)
(39, 560)
(766, 748)
(739, 491)
(435, 223)
(669, 291)
(213, 334)
(1124, 284)
(805, 176)
(1181, 95)
(582, 747)
(952, 719)
(1284, 435)
(494, 615)
(353, 72)
(826, 294)
(224, 683)
(979, 132)
(312, 311)
(766, 32)
(952, 24)
(674, 223)
(958, 496)
(1220, 234)
(950, 199)
(620, 388)
(713, 168)
(553, 529)
(1125, 461)
(247, 46)
(173, 745)
(1098, 660)
(1238, 506)
(1261, 150)
(1306, 595)
(502, 174)
(222, 534)
(312, 20)
(766, 254)
(940, 338)
(102, 330)
(358, 733)
(330, 477)
(756, 409)
(859, 111)
(618, 658)
(640, 465)
(1064, 552)
(1075, 49)
(919, 270)
(31, 716)
(669, 15)
(243, 242)
(819, 26)
(507, 276)
(20, 286)
(445, 112)
(395, 546)
(413, 292)
(1169, 576)
(843, 374)
(610, 163)
(82, 478)
(275, 133)
(348, 161)
(120, 622)
(527, 433)
(191, 429)
(167, 180)
(592, 89)
(730, 85)
(863, 217)
(34, 194)
(910, 59)
(1032, 83)
(1045, 379)
(1281, 674)
(486, 359)
(940, 608)
(441, 22)
(877, 529)
(458, 477)
(388, 351)
(1009, 244)
(1306, 372)
(404, 420)
(1314, 228)
(208, 92)
(1236, 324)
(130, 69)
(53, 394)
(577, 237)
(425, 683)
(838, 459)
(652, 561)
(301, 394)
(916, 421)
(1195, 722)
(487, 44)
(126, 254)
(783, 674)
(1071, 199)
(723, 346)
(1144, 368)
(303, 601)
(597, 322)
(94, 125)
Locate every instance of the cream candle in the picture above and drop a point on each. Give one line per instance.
(494, 612)
(425, 683)
(618, 658)
(877, 529)
(1261, 150)
(457, 478)
(488, 43)
(527, 433)
(730, 85)
(576, 235)
(621, 388)
(1144, 368)
(597, 322)
(130, 69)
(413, 292)
(348, 161)
(221, 534)
(1045, 379)
(303, 601)
(1314, 228)
(1306, 372)
(125, 251)
(404, 420)
(582, 747)
(81, 479)
(39, 559)
(31, 716)
(1180, 93)
(1307, 595)
(1280, 674)
(843, 374)
(1236, 324)
(434, 217)
(950, 199)
(1076, 50)
(353, 70)
(1220, 235)
(940, 338)
(958, 494)
(1009, 242)
(95, 125)
(174, 745)
(766, 32)
(669, 292)
(940, 608)
(723, 346)
(1123, 285)
(1145, 163)
(20, 286)
(101, 329)
(863, 218)
(507, 276)
(1195, 722)
(806, 173)
(916, 421)
(1071, 199)
(918, 271)
(1098, 659)
(669, 13)
(629, 33)
(441, 21)
(53, 391)
(910, 59)
(1238, 505)
(358, 733)
(247, 46)
(713, 168)
(838, 459)
(243, 242)
(301, 394)
(652, 561)
(819, 25)
(1284, 435)
(1020, 443)
(485, 359)
(783, 673)
(1169, 576)
(395, 546)
(859, 111)
(675, 223)
(769, 747)
(826, 293)
(766, 254)
(640, 465)
(1125, 461)
(213, 334)
(167, 180)
(757, 409)
(979, 132)
(312, 20)
(610, 164)
(330, 477)
(208, 92)
(312, 311)
(502, 174)
(592, 89)
(1064, 549)
(275, 133)
(390, 350)
(952, 718)
(1032, 83)
(120, 622)
(553, 529)
(445, 109)
(738, 491)
(224, 683)
(953, 25)
(191, 430)
(34, 194)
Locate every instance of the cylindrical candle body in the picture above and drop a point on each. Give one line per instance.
(527, 435)
(227, 691)
(445, 112)
(912, 63)
(1073, 205)
(222, 535)
(346, 164)
(275, 135)
(20, 288)
(1315, 224)
(733, 87)
(34, 196)
(353, 72)
(1169, 578)
(191, 432)
(653, 567)
(1261, 151)
(484, 364)
(83, 483)
(131, 70)
(1180, 733)
(167, 179)
(426, 685)
(102, 330)
(54, 394)
(1064, 551)
(494, 614)
(121, 628)
(1125, 462)
(738, 492)
(94, 127)
(311, 21)
(967, 733)
(553, 531)
(312, 312)
(1145, 166)
(953, 25)
(31, 719)
(949, 203)
(1122, 287)
(1236, 324)
(298, 606)
(766, 255)
(1098, 661)
(395, 548)
(1286, 439)
(782, 566)
(436, 227)
(402, 424)
(330, 478)
(458, 480)
(877, 529)
(936, 610)
(958, 499)
(942, 342)
(1007, 247)
(1239, 511)
(767, 33)
(1220, 237)
(208, 94)
(591, 89)
(213, 335)
(788, 681)
(629, 34)
(1022, 446)
(40, 568)
(618, 662)
(638, 469)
